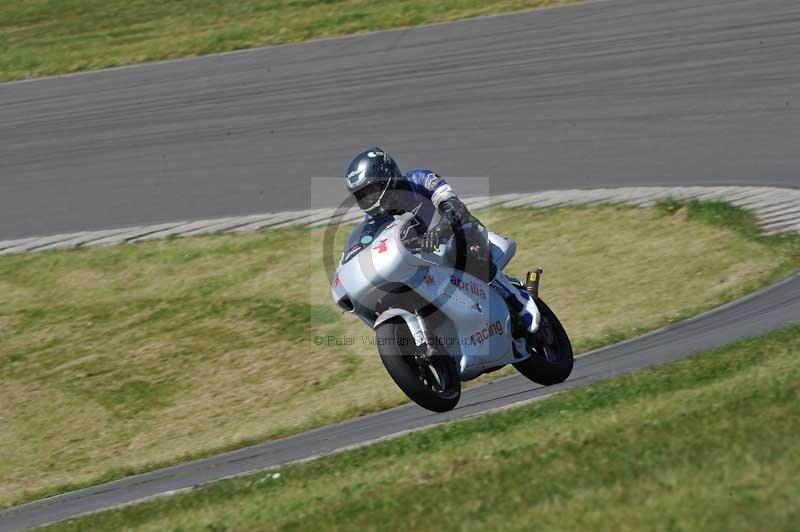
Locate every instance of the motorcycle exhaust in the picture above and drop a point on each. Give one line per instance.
(532, 282)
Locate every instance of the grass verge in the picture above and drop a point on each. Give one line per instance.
(119, 360)
(705, 443)
(41, 37)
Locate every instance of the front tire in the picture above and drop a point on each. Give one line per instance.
(433, 383)
(551, 357)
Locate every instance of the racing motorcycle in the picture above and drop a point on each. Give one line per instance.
(435, 325)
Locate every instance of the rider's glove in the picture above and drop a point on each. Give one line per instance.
(455, 213)
(435, 237)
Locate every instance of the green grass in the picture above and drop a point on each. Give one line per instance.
(40, 37)
(705, 443)
(723, 214)
(118, 360)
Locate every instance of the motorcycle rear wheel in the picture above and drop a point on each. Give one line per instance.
(551, 357)
(431, 382)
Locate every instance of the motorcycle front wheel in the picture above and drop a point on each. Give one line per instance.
(431, 382)
(550, 349)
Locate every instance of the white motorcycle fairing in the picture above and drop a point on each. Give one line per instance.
(472, 321)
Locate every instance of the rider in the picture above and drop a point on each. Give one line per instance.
(381, 189)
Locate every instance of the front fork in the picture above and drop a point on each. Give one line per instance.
(426, 335)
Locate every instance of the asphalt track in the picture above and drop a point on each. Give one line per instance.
(620, 92)
(752, 315)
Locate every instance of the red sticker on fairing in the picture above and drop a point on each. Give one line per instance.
(381, 247)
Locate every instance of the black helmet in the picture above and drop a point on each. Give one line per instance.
(372, 178)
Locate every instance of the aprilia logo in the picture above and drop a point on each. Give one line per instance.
(470, 287)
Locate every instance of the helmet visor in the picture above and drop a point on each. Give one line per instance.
(370, 196)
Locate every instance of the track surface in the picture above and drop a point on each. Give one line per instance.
(755, 314)
(613, 92)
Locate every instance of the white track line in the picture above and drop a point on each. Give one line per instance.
(777, 210)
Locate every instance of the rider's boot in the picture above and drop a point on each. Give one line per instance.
(524, 314)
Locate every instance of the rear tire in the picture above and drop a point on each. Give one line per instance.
(433, 383)
(551, 357)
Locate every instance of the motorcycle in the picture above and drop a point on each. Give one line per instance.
(437, 326)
